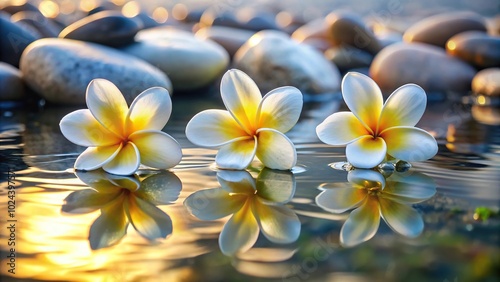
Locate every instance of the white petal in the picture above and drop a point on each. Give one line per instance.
(237, 182)
(275, 186)
(339, 200)
(275, 150)
(126, 162)
(363, 97)
(366, 152)
(86, 201)
(362, 224)
(236, 155)
(130, 182)
(241, 96)
(280, 109)
(107, 104)
(278, 223)
(157, 149)
(151, 222)
(110, 227)
(150, 110)
(106, 183)
(161, 188)
(240, 233)
(213, 128)
(404, 107)
(401, 218)
(410, 144)
(96, 157)
(212, 204)
(81, 128)
(340, 129)
(366, 179)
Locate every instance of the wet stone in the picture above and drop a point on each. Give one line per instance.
(315, 34)
(386, 169)
(194, 15)
(349, 29)
(13, 9)
(387, 39)
(346, 57)
(228, 37)
(487, 82)
(106, 6)
(438, 29)
(426, 65)
(188, 61)
(60, 70)
(46, 27)
(147, 21)
(257, 20)
(108, 28)
(11, 83)
(273, 59)
(14, 38)
(475, 47)
(249, 20)
(402, 166)
(289, 22)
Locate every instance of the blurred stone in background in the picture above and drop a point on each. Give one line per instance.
(107, 27)
(436, 30)
(11, 83)
(14, 38)
(426, 65)
(476, 48)
(189, 62)
(60, 70)
(196, 41)
(273, 59)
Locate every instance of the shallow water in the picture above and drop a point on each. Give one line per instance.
(52, 235)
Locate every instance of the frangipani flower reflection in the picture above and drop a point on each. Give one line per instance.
(372, 197)
(372, 129)
(119, 138)
(252, 125)
(253, 205)
(123, 200)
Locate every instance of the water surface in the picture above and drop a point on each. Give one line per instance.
(58, 238)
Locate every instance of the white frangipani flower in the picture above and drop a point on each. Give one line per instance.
(119, 138)
(373, 129)
(252, 126)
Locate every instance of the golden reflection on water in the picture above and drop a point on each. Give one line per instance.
(371, 197)
(52, 246)
(255, 205)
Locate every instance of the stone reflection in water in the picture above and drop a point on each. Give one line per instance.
(254, 205)
(123, 200)
(370, 196)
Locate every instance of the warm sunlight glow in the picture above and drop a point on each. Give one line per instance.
(67, 7)
(118, 2)
(131, 9)
(49, 8)
(481, 100)
(87, 5)
(180, 12)
(451, 45)
(284, 18)
(160, 15)
(18, 2)
(450, 134)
